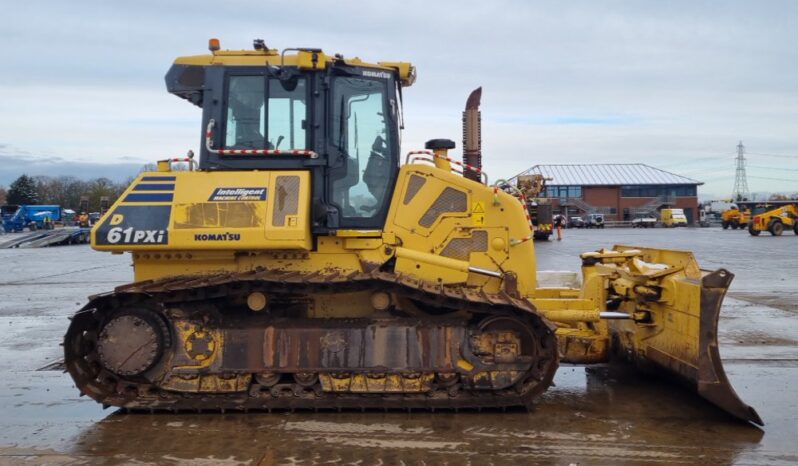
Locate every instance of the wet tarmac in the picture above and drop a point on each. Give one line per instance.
(601, 415)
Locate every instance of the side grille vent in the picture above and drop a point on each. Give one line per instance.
(286, 200)
(450, 200)
(460, 248)
(413, 186)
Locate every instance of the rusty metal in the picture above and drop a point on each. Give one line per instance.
(130, 343)
(267, 379)
(472, 135)
(583, 349)
(234, 361)
(712, 383)
(704, 373)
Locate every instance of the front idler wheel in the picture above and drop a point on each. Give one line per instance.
(132, 341)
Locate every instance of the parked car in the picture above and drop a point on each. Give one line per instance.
(576, 222)
(644, 221)
(594, 221)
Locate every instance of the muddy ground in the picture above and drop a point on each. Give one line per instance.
(604, 415)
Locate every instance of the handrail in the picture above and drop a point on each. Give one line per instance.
(192, 164)
(423, 155)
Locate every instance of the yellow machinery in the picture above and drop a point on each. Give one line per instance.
(673, 218)
(775, 220)
(299, 266)
(540, 210)
(735, 218)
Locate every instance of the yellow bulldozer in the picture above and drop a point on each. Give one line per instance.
(775, 220)
(299, 264)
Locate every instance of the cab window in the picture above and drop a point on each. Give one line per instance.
(360, 131)
(254, 122)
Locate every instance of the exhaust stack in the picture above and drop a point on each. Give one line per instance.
(472, 135)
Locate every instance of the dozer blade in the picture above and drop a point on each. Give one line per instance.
(681, 335)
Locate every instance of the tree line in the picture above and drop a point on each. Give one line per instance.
(65, 191)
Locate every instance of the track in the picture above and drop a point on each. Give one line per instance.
(209, 299)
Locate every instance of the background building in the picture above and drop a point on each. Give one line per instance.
(619, 191)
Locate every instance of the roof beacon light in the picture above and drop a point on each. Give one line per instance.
(213, 44)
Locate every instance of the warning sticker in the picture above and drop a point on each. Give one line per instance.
(478, 213)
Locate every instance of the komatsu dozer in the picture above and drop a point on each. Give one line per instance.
(298, 264)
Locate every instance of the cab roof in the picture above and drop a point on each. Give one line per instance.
(302, 58)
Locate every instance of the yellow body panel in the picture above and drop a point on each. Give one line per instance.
(303, 59)
(189, 211)
(432, 211)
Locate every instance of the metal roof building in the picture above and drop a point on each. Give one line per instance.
(608, 174)
(620, 191)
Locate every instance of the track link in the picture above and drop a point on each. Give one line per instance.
(93, 379)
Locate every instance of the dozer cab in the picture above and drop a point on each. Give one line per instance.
(775, 220)
(299, 264)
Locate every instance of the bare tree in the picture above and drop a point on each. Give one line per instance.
(66, 191)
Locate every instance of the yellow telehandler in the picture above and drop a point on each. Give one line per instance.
(775, 220)
(299, 264)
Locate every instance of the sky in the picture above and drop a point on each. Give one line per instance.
(673, 84)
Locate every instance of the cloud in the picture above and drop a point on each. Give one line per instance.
(672, 84)
(601, 120)
(12, 166)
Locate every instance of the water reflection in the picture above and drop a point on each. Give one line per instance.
(606, 414)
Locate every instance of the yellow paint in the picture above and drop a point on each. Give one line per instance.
(673, 217)
(376, 383)
(358, 233)
(188, 332)
(194, 214)
(787, 215)
(478, 213)
(302, 59)
(465, 365)
(735, 217)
